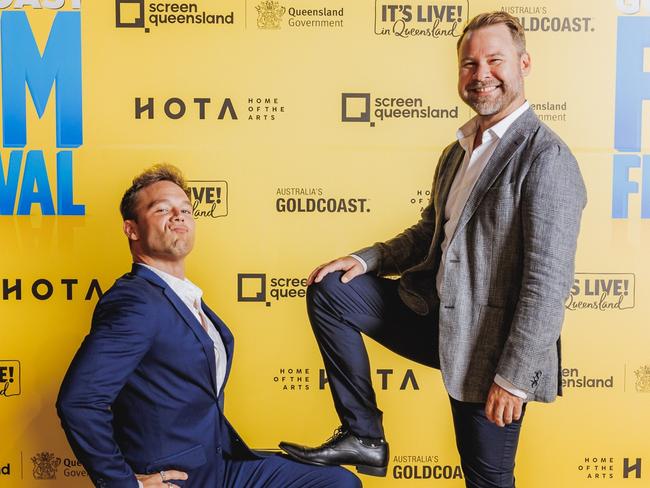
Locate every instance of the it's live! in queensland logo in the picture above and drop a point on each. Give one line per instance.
(25, 182)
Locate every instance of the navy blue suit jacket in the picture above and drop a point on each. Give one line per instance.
(140, 396)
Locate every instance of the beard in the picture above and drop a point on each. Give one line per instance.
(495, 101)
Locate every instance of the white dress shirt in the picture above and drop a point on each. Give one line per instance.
(191, 296)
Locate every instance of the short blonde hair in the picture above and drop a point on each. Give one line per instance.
(158, 172)
(494, 18)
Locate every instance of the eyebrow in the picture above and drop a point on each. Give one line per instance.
(165, 200)
(491, 55)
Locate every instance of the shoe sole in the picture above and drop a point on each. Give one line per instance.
(379, 471)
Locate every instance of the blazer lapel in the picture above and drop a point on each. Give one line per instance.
(445, 180)
(226, 337)
(187, 316)
(502, 155)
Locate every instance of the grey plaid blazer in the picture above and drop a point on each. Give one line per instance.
(510, 264)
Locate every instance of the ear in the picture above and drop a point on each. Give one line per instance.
(524, 62)
(131, 230)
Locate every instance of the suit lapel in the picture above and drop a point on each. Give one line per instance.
(226, 337)
(446, 179)
(505, 150)
(187, 316)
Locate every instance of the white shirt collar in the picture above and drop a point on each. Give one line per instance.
(466, 133)
(183, 288)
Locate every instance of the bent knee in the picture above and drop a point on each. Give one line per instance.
(330, 285)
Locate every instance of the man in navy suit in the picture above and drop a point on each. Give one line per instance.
(144, 393)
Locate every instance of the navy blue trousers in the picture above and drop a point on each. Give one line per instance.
(278, 471)
(339, 313)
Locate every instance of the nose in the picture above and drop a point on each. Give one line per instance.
(482, 71)
(178, 215)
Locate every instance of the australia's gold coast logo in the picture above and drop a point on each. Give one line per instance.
(643, 379)
(269, 14)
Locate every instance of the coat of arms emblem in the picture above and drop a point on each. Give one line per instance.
(45, 466)
(643, 379)
(270, 14)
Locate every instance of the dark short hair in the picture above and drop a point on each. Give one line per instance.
(494, 18)
(158, 172)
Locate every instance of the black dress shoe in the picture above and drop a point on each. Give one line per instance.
(369, 457)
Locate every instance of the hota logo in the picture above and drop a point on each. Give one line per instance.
(9, 378)
(361, 107)
(433, 20)
(145, 15)
(252, 287)
(24, 66)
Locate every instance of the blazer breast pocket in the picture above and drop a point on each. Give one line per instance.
(185, 460)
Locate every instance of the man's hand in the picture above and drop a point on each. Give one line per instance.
(502, 407)
(351, 266)
(164, 479)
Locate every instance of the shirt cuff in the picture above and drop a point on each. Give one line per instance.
(509, 387)
(140, 485)
(363, 263)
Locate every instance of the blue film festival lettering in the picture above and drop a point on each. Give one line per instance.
(632, 88)
(22, 67)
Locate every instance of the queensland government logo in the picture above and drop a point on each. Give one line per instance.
(363, 107)
(642, 383)
(602, 292)
(146, 14)
(441, 19)
(270, 15)
(209, 198)
(9, 377)
(46, 465)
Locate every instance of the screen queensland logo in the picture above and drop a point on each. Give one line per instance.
(260, 288)
(26, 185)
(441, 19)
(631, 166)
(602, 292)
(147, 15)
(369, 109)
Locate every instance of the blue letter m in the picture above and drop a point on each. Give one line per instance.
(22, 62)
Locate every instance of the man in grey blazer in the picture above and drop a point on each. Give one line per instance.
(483, 276)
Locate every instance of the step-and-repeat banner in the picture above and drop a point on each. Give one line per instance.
(309, 129)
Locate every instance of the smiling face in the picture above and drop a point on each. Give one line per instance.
(491, 70)
(163, 229)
